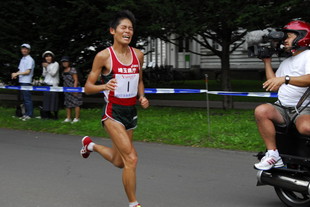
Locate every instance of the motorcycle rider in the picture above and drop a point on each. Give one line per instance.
(291, 81)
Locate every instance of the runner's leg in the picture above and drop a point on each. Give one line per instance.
(110, 154)
(122, 140)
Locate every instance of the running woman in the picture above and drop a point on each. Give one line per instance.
(120, 66)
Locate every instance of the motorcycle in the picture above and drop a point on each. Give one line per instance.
(292, 182)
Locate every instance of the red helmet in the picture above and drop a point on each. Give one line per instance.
(302, 30)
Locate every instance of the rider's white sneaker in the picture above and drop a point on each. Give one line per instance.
(268, 162)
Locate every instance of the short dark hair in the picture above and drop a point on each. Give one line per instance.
(119, 16)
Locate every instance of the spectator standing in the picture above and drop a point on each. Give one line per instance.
(72, 100)
(51, 78)
(25, 74)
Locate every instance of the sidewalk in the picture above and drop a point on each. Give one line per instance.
(176, 103)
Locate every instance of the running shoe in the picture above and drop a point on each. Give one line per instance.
(268, 162)
(84, 151)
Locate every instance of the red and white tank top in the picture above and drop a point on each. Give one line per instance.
(127, 78)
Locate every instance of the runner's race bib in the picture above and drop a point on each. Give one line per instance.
(127, 85)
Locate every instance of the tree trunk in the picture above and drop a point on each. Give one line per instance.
(225, 81)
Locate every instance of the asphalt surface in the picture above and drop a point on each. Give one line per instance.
(46, 170)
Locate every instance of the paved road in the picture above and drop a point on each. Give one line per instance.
(46, 170)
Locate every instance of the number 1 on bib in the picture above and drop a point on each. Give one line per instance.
(127, 85)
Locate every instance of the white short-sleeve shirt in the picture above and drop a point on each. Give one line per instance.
(26, 63)
(298, 65)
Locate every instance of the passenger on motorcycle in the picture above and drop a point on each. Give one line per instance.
(291, 80)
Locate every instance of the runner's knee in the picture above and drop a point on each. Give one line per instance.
(131, 160)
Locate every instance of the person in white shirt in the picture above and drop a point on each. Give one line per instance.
(291, 80)
(51, 78)
(25, 74)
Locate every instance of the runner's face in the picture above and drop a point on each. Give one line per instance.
(124, 32)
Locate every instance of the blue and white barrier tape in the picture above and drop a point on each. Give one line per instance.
(147, 90)
(45, 88)
(173, 90)
(252, 94)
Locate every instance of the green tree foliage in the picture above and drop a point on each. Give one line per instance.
(225, 22)
(70, 27)
(64, 27)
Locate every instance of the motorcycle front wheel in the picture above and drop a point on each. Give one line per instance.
(293, 199)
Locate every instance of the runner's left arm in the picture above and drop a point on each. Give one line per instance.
(142, 99)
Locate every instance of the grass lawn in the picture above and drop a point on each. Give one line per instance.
(231, 129)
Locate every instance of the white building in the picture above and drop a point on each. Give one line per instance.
(162, 53)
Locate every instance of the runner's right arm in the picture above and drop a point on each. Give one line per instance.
(101, 62)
